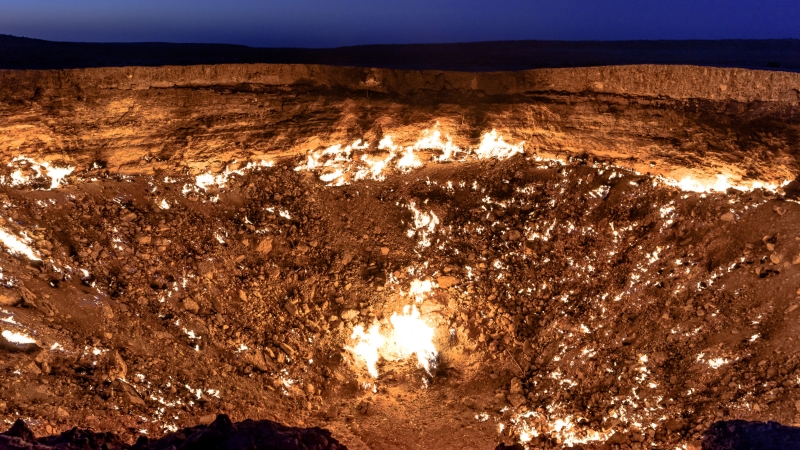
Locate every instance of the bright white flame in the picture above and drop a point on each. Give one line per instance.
(338, 165)
(562, 429)
(720, 183)
(18, 246)
(18, 338)
(413, 336)
(368, 346)
(206, 180)
(409, 160)
(419, 288)
(493, 146)
(409, 335)
(424, 225)
(716, 363)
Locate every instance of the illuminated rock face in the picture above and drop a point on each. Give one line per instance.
(469, 255)
(678, 121)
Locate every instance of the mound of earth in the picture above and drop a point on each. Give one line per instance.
(220, 434)
(290, 249)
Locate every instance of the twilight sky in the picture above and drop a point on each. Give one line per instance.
(331, 23)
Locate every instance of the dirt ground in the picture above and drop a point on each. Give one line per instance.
(574, 303)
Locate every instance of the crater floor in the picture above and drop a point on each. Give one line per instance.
(571, 302)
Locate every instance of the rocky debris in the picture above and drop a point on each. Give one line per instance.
(558, 288)
(744, 435)
(219, 433)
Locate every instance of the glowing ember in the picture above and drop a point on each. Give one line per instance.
(409, 335)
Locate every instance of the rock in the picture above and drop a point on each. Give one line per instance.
(119, 369)
(130, 217)
(384, 251)
(191, 306)
(144, 240)
(446, 281)
(257, 360)
(791, 308)
(727, 217)
(61, 413)
(779, 209)
(287, 349)
(332, 412)
(20, 430)
(265, 246)
(797, 406)
(516, 400)
(28, 297)
(618, 438)
(129, 394)
(10, 298)
(675, 424)
(775, 258)
(796, 260)
(207, 419)
(291, 308)
(516, 386)
(348, 314)
(309, 389)
(242, 295)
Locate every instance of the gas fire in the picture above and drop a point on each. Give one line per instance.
(409, 335)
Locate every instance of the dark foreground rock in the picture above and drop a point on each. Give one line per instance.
(743, 435)
(221, 434)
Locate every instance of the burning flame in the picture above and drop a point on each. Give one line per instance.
(563, 430)
(419, 288)
(409, 335)
(17, 245)
(338, 165)
(56, 174)
(493, 146)
(17, 338)
(206, 180)
(720, 183)
(424, 225)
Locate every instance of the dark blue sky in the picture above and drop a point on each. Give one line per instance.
(320, 23)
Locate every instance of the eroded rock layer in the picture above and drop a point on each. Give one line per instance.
(358, 250)
(672, 120)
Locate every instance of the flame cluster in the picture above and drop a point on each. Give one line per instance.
(338, 165)
(408, 335)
